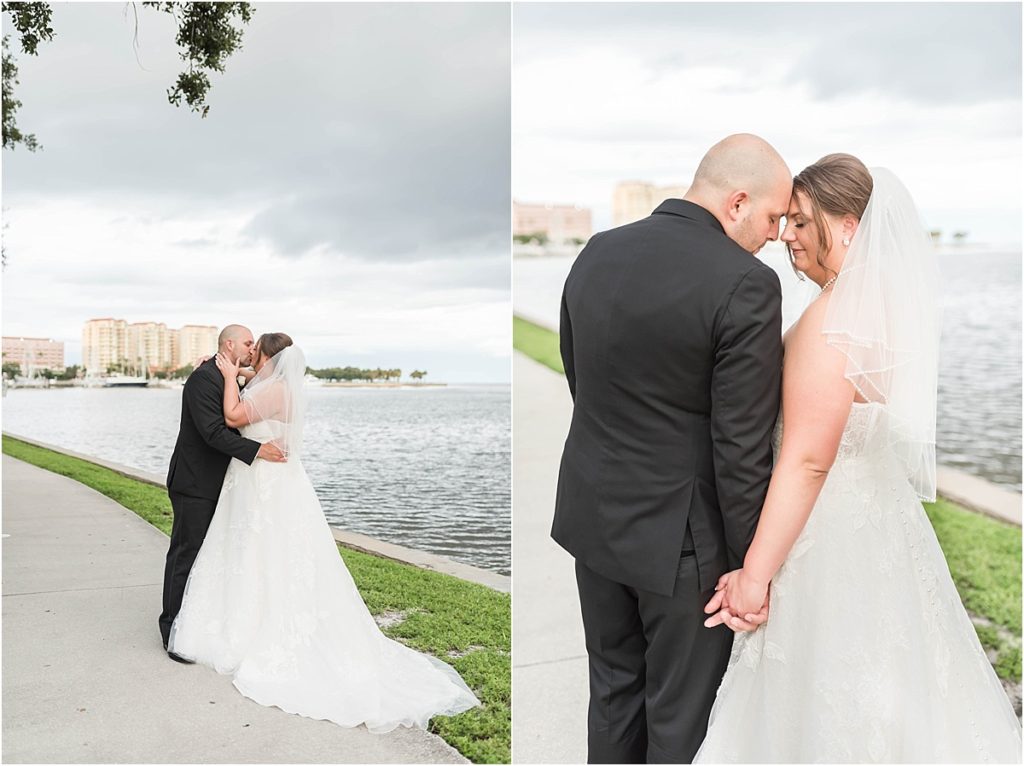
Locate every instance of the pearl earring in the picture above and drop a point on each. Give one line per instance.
(846, 242)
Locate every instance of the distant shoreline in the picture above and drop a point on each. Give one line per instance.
(177, 384)
(346, 384)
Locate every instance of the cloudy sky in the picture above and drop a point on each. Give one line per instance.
(350, 185)
(610, 92)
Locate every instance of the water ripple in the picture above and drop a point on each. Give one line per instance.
(426, 468)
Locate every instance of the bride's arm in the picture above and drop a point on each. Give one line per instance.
(235, 414)
(816, 403)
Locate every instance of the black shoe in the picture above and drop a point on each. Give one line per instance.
(179, 658)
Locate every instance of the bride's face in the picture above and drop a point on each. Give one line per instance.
(802, 236)
(800, 233)
(258, 359)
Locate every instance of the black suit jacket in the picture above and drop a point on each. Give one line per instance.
(205, 444)
(671, 340)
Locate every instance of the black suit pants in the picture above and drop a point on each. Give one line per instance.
(192, 517)
(654, 667)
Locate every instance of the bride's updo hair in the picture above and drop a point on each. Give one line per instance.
(837, 184)
(271, 344)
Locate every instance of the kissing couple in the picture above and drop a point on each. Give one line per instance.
(254, 586)
(681, 494)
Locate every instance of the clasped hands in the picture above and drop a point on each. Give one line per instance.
(740, 602)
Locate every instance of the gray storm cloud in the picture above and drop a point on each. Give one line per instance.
(375, 131)
(961, 53)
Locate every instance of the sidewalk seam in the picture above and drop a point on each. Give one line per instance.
(85, 590)
(550, 662)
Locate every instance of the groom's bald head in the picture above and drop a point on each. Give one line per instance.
(741, 161)
(746, 185)
(235, 341)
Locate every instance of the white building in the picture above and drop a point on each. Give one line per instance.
(143, 346)
(148, 347)
(633, 200)
(104, 344)
(194, 341)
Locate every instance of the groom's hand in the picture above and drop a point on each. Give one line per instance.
(718, 600)
(736, 624)
(722, 613)
(271, 453)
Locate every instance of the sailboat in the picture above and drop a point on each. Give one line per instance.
(125, 381)
(120, 380)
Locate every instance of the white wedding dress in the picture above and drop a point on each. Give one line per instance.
(868, 654)
(270, 601)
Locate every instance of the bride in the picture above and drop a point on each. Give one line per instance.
(270, 601)
(868, 654)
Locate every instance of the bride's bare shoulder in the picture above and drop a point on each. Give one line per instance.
(808, 328)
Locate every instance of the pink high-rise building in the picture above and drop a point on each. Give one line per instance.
(559, 223)
(34, 354)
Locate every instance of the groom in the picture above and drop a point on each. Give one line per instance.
(201, 456)
(671, 341)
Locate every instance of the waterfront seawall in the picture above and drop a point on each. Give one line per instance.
(347, 538)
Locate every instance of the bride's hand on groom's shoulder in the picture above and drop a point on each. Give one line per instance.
(731, 604)
(228, 368)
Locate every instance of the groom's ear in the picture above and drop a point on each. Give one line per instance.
(736, 202)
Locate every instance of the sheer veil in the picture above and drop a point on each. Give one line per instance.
(277, 398)
(884, 316)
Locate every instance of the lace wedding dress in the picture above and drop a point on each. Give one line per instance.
(270, 601)
(868, 654)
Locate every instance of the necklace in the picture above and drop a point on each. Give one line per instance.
(828, 284)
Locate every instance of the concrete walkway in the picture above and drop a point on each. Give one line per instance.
(85, 679)
(549, 658)
(979, 495)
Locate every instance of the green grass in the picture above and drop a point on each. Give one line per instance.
(538, 343)
(445, 614)
(464, 624)
(984, 555)
(149, 502)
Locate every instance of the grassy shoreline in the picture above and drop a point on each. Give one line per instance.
(465, 624)
(983, 554)
(538, 343)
